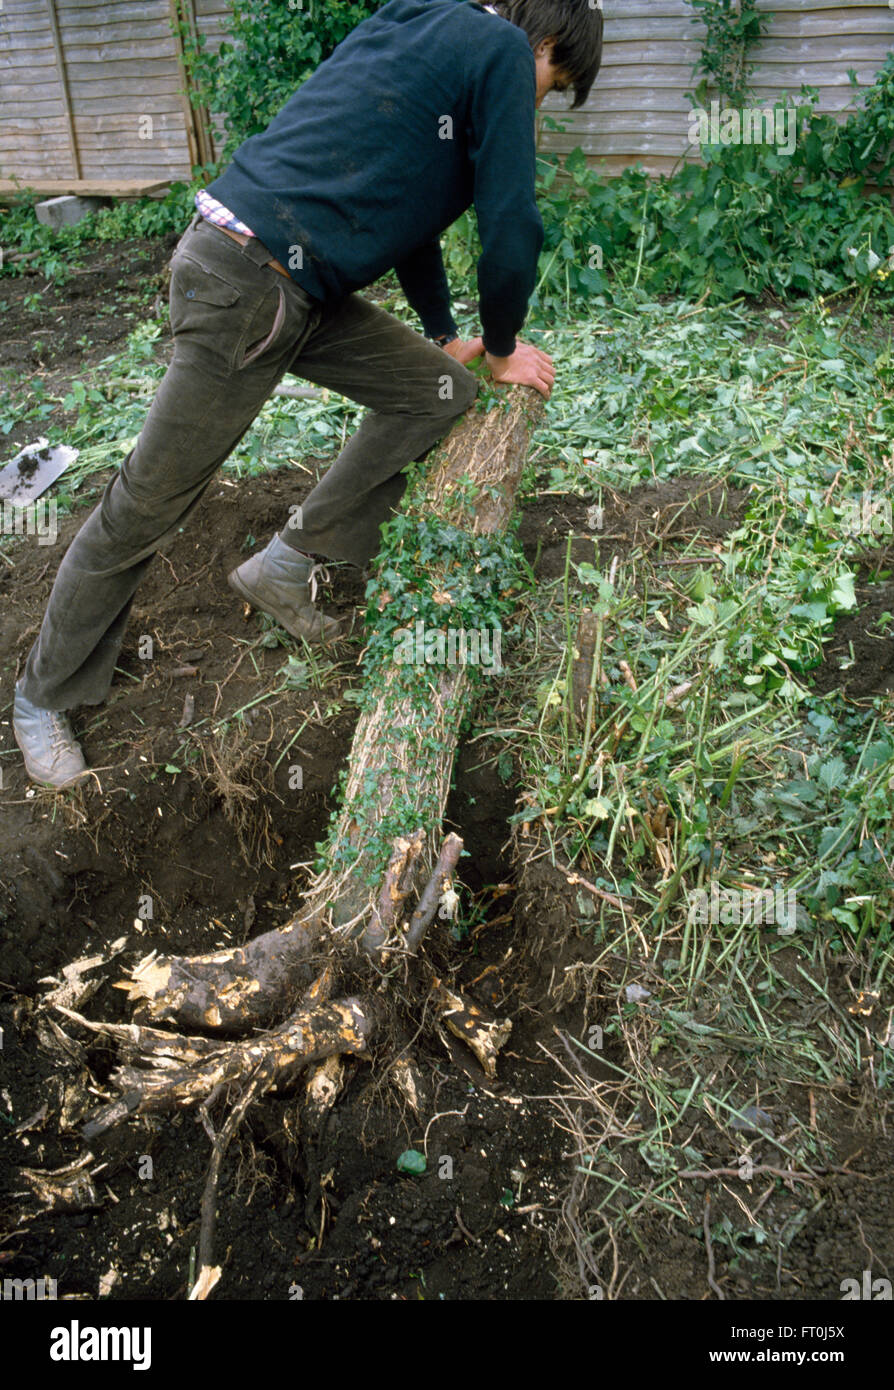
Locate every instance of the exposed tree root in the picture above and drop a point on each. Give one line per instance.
(166, 1072)
(484, 1035)
(227, 992)
(209, 1273)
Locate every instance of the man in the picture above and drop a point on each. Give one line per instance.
(424, 109)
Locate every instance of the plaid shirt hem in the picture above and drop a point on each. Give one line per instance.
(215, 212)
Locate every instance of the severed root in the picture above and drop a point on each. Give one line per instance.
(176, 1072)
(208, 1277)
(168, 1070)
(323, 1087)
(396, 886)
(229, 992)
(381, 929)
(407, 1078)
(467, 1022)
(65, 1189)
(422, 918)
(209, 1273)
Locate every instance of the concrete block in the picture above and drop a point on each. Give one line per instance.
(67, 210)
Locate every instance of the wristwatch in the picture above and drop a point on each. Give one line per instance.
(445, 338)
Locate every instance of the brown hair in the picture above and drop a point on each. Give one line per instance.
(576, 26)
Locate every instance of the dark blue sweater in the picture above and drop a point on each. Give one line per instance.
(425, 108)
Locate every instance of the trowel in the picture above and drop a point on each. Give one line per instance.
(33, 470)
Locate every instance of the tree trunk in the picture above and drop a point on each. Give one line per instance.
(446, 570)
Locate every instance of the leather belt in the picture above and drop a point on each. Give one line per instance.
(242, 239)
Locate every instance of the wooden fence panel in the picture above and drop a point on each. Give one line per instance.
(28, 73)
(122, 76)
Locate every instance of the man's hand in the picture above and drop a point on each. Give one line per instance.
(528, 366)
(465, 351)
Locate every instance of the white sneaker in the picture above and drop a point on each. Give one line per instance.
(51, 752)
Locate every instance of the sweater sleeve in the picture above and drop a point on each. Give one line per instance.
(424, 281)
(502, 151)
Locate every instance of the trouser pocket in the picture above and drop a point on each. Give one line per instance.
(228, 308)
(255, 350)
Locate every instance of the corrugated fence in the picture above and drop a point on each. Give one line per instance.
(92, 90)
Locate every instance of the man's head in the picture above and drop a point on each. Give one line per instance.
(566, 37)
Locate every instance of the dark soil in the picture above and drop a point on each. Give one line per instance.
(102, 299)
(210, 829)
(859, 658)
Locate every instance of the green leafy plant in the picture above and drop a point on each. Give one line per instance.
(267, 54)
(55, 252)
(752, 218)
(732, 28)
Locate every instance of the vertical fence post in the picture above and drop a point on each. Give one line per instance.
(66, 95)
(198, 122)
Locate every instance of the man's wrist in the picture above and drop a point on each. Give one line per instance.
(490, 352)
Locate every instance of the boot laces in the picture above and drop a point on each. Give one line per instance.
(60, 732)
(323, 572)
